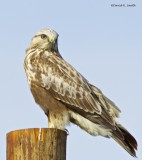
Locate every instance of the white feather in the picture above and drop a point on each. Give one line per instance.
(90, 127)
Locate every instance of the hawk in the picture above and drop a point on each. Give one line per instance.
(66, 96)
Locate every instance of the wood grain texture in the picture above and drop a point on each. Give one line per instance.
(36, 144)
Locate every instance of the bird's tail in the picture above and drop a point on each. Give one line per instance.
(126, 140)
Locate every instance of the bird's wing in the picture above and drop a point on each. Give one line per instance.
(67, 85)
(106, 102)
(70, 87)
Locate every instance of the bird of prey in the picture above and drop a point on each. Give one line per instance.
(66, 96)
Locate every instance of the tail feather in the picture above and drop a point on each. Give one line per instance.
(128, 142)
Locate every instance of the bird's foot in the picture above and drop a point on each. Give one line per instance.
(66, 131)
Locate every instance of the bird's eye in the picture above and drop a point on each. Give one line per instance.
(43, 36)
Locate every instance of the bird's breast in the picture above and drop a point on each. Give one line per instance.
(33, 64)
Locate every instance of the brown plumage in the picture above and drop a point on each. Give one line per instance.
(66, 96)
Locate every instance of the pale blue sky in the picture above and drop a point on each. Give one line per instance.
(103, 43)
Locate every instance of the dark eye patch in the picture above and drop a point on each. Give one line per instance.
(44, 36)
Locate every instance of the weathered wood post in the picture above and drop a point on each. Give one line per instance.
(36, 144)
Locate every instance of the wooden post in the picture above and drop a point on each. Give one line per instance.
(36, 144)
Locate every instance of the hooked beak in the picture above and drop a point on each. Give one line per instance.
(53, 39)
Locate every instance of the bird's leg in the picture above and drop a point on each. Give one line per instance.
(58, 120)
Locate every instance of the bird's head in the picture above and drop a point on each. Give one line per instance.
(46, 39)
